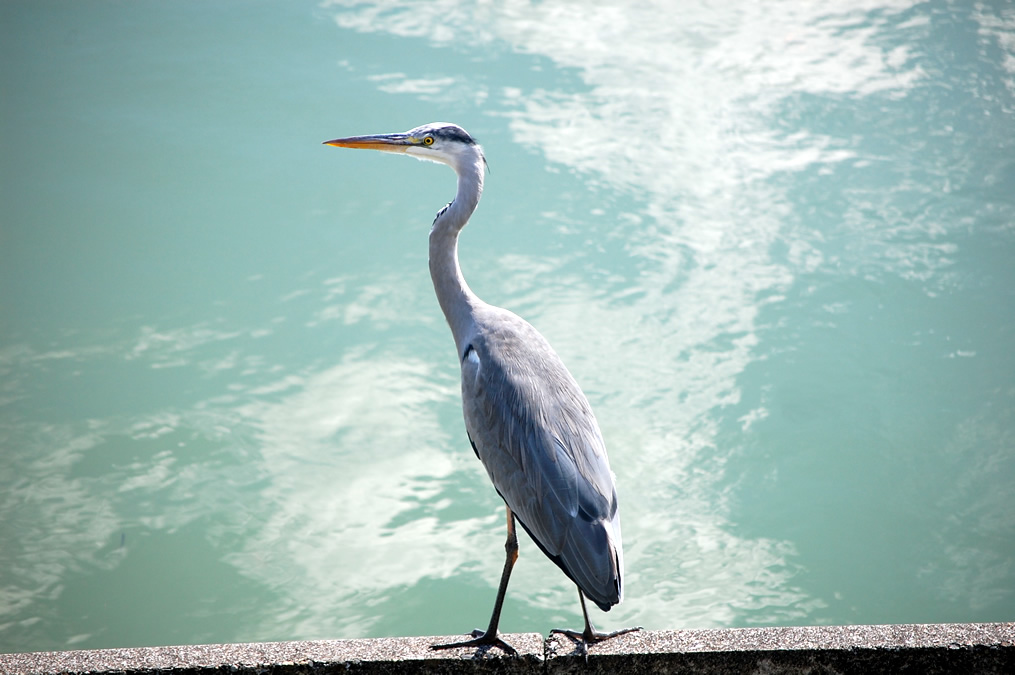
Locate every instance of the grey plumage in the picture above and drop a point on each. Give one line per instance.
(535, 433)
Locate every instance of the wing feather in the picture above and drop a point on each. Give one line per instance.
(535, 433)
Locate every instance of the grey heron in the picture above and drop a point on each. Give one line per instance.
(527, 419)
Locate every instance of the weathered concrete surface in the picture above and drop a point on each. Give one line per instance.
(379, 655)
(936, 648)
(920, 648)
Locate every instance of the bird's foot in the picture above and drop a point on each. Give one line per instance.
(481, 639)
(591, 636)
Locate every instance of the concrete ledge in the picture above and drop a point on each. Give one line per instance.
(936, 648)
(915, 648)
(379, 655)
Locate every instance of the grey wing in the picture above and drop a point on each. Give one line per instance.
(535, 433)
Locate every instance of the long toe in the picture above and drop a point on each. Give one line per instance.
(596, 636)
(480, 639)
(591, 636)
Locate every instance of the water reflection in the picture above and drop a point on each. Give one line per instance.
(334, 512)
(259, 468)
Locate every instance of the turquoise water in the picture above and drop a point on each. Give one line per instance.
(773, 242)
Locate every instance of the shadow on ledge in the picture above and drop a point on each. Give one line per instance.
(933, 648)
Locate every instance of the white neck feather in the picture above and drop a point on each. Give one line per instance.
(457, 301)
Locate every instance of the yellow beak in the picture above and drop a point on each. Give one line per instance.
(382, 142)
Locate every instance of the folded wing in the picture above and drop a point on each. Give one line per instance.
(533, 429)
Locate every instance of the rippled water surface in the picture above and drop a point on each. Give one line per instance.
(773, 242)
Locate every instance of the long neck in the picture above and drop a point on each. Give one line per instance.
(457, 301)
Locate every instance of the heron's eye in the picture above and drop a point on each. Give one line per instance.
(428, 140)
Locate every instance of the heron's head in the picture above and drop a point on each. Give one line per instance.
(437, 142)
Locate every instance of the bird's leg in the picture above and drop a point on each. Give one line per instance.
(590, 635)
(490, 636)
